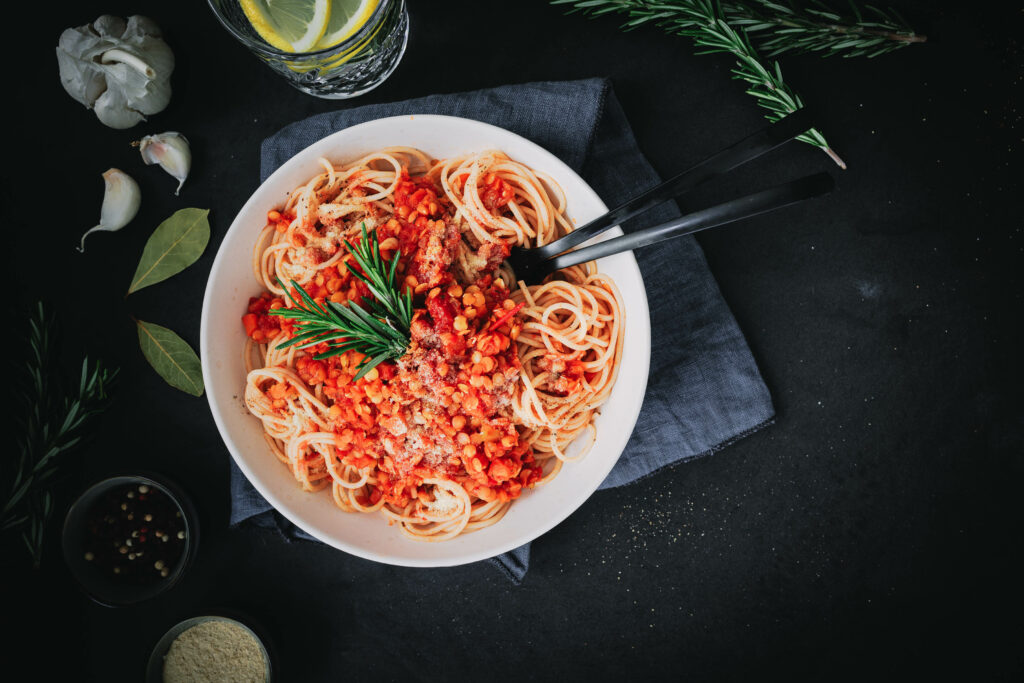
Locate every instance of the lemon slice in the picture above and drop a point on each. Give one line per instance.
(289, 25)
(347, 17)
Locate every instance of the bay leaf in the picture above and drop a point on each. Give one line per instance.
(171, 357)
(175, 245)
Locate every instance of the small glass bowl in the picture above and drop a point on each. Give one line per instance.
(155, 667)
(106, 589)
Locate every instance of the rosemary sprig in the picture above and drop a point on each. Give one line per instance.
(780, 27)
(389, 301)
(53, 425)
(713, 34)
(380, 333)
(727, 26)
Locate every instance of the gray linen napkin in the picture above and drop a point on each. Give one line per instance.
(704, 390)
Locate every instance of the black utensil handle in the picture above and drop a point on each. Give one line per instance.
(737, 209)
(747, 149)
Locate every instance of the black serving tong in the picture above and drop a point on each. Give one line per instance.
(532, 265)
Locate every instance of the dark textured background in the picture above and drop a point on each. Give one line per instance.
(875, 530)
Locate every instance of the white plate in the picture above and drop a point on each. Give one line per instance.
(368, 535)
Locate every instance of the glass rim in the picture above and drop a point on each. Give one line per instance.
(267, 50)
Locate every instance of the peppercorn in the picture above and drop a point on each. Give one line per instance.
(131, 522)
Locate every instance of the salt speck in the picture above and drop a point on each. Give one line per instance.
(868, 290)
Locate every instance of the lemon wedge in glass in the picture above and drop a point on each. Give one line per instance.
(347, 17)
(289, 25)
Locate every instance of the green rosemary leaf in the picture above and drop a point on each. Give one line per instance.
(338, 349)
(365, 367)
(350, 315)
(393, 271)
(304, 337)
(13, 522)
(371, 322)
(307, 299)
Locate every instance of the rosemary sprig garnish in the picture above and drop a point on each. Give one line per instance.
(728, 26)
(380, 279)
(53, 425)
(380, 332)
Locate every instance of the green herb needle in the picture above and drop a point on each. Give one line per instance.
(380, 331)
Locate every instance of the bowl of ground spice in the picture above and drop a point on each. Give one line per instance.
(129, 538)
(209, 649)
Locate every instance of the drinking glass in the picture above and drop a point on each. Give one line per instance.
(354, 66)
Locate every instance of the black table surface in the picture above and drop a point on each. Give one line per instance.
(874, 529)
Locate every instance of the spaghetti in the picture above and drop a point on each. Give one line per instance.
(498, 379)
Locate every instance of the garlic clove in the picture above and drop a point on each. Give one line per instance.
(171, 150)
(108, 26)
(117, 56)
(113, 110)
(121, 199)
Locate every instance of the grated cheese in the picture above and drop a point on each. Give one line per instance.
(215, 652)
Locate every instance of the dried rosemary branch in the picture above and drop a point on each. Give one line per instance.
(54, 424)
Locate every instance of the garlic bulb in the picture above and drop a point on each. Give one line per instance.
(120, 69)
(121, 199)
(171, 151)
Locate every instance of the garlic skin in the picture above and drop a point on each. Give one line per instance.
(120, 69)
(121, 199)
(171, 151)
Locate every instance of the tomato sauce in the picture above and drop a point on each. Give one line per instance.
(443, 409)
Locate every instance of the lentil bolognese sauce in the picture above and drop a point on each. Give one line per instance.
(497, 378)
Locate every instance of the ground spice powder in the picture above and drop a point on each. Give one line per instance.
(215, 652)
